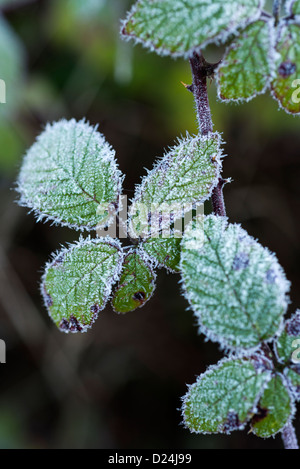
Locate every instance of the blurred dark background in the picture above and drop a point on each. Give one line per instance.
(119, 385)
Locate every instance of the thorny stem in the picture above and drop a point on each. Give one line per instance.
(289, 438)
(201, 70)
(276, 10)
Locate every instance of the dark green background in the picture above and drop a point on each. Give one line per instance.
(119, 385)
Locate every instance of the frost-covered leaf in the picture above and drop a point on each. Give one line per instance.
(293, 377)
(185, 176)
(12, 59)
(288, 343)
(136, 284)
(70, 176)
(164, 252)
(274, 409)
(286, 84)
(293, 7)
(178, 27)
(236, 288)
(78, 282)
(222, 399)
(247, 66)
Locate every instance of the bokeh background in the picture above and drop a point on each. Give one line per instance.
(119, 385)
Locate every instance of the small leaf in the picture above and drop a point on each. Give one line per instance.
(289, 341)
(274, 409)
(136, 284)
(12, 66)
(179, 27)
(70, 176)
(164, 252)
(223, 399)
(247, 66)
(185, 176)
(286, 84)
(292, 7)
(237, 289)
(293, 376)
(78, 282)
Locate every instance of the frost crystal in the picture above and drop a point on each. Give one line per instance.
(70, 176)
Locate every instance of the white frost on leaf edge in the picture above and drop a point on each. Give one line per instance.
(115, 243)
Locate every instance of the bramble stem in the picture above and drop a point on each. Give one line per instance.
(201, 70)
(289, 437)
(276, 10)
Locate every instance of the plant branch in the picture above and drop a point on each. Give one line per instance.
(276, 10)
(201, 70)
(289, 437)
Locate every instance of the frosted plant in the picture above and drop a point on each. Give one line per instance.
(237, 289)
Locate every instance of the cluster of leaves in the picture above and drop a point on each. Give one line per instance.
(70, 177)
(262, 53)
(239, 294)
(236, 288)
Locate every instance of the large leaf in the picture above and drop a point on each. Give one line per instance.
(12, 59)
(77, 283)
(185, 176)
(237, 289)
(179, 27)
(286, 84)
(224, 398)
(274, 409)
(70, 176)
(136, 284)
(289, 341)
(164, 252)
(247, 66)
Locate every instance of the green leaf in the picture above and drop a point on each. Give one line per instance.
(286, 84)
(12, 59)
(274, 409)
(185, 176)
(289, 341)
(292, 7)
(237, 289)
(77, 283)
(136, 284)
(293, 376)
(164, 252)
(179, 27)
(70, 176)
(223, 399)
(247, 66)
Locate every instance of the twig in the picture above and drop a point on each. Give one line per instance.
(289, 437)
(201, 70)
(276, 10)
